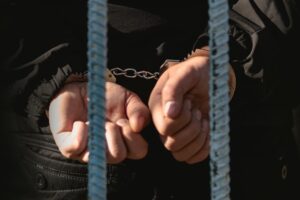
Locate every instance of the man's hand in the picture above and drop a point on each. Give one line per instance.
(126, 116)
(179, 104)
(68, 121)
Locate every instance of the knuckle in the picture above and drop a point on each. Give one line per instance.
(171, 145)
(67, 154)
(109, 126)
(75, 147)
(161, 127)
(201, 141)
(71, 151)
(169, 89)
(194, 134)
(169, 126)
(199, 158)
(191, 162)
(205, 153)
(116, 158)
(162, 130)
(139, 153)
(179, 157)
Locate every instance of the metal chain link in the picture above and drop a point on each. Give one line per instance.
(133, 73)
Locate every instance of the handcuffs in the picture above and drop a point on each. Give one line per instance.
(110, 77)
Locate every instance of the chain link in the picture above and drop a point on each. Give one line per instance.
(133, 73)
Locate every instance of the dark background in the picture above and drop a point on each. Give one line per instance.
(11, 181)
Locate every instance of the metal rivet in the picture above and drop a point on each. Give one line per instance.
(41, 182)
(284, 172)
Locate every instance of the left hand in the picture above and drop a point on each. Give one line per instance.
(179, 104)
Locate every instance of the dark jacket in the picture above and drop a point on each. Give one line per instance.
(45, 42)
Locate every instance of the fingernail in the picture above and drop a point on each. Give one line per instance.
(137, 122)
(205, 125)
(198, 115)
(189, 104)
(122, 122)
(170, 109)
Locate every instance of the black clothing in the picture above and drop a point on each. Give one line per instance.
(46, 42)
(296, 127)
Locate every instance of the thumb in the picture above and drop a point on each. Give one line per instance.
(137, 112)
(173, 94)
(72, 144)
(183, 78)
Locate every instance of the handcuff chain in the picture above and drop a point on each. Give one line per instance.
(133, 73)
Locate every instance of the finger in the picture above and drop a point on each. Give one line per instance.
(137, 147)
(115, 101)
(169, 126)
(72, 144)
(85, 156)
(67, 107)
(202, 154)
(183, 80)
(155, 96)
(192, 148)
(185, 136)
(116, 149)
(137, 112)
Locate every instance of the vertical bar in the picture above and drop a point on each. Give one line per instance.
(97, 52)
(219, 99)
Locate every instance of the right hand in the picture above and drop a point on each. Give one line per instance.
(126, 115)
(179, 105)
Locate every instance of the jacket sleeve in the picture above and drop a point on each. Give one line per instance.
(263, 35)
(44, 45)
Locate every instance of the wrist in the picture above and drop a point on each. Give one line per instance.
(82, 77)
(231, 82)
(203, 52)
